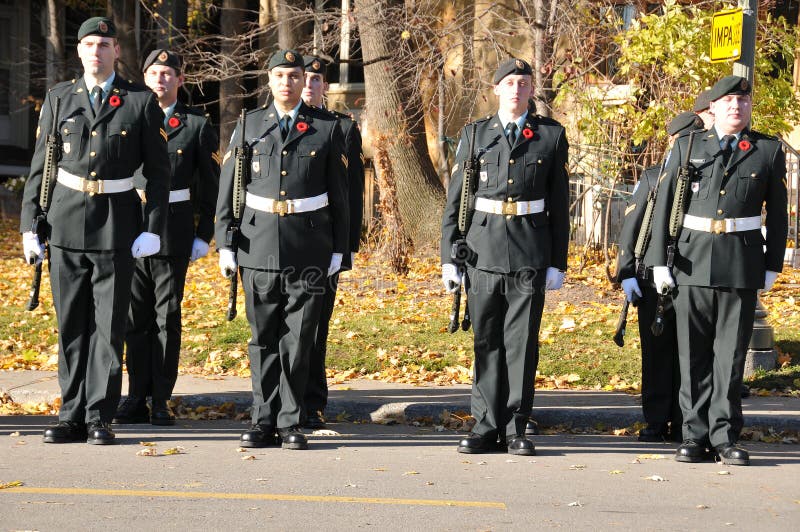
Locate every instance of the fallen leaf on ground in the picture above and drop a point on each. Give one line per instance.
(248, 457)
(325, 432)
(656, 478)
(650, 456)
(148, 443)
(147, 451)
(12, 484)
(175, 450)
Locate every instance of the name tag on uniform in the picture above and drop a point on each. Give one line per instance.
(697, 161)
(484, 175)
(695, 186)
(70, 120)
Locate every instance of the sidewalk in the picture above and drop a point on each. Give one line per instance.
(382, 402)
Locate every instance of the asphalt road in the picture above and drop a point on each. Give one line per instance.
(395, 477)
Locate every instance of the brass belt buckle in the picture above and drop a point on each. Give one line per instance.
(280, 207)
(509, 207)
(93, 187)
(718, 226)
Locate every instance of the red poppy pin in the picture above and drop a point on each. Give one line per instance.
(173, 122)
(114, 101)
(528, 133)
(302, 127)
(744, 145)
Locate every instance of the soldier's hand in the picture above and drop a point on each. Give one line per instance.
(336, 264)
(199, 249)
(663, 280)
(146, 244)
(631, 288)
(451, 278)
(32, 249)
(227, 263)
(554, 279)
(769, 279)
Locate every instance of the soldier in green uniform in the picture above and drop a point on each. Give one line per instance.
(518, 240)
(721, 260)
(660, 371)
(313, 95)
(294, 233)
(154, 321)
(109, 128)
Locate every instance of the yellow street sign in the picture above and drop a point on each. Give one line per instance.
(726, 35)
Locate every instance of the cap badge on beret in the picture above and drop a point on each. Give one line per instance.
(316, 65)
(163, 56)
(102, 27)
(519, 64)
(289, 57)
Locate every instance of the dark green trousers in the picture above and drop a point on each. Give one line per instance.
(91, 294)
(506, 311)
(714, 327)
(316, 397)
(154, 326)
(283, 310)
(661, 376)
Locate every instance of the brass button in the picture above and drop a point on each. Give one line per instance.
(67, 131)
(255, 152)
(92, 154)
(510, 199)
(510, 181)
(511, 161)
(482, 161)
(180, 151)
(539, 161)
(508, 216)
(283, 192)
(313, 153)
(93, 174)
(123, 133)
(94, 133)
(283, 172)
(727, 174)
(721, 192)
(753, 175)
(720, 211)
(284, 152)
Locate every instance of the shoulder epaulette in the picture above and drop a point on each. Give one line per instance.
(547, 120)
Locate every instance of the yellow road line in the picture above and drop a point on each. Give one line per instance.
(255, 496)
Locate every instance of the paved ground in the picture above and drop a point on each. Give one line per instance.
(364, 399)
(375, 476)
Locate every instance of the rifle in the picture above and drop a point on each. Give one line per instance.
(52, 153)
(460, 250)
(241, 170)
(685, 174)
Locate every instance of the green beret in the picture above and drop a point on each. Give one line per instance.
(315, 65)
(685, 121)
(161, 56)
(102, 26)
(511, 66)
(285, 58)
(702, 102)
(729, 85)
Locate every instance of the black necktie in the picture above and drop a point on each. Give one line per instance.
(97, 98)
(284, 126)
(512, 133)
(727, 149)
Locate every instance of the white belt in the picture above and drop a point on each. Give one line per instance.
(726, 225)
(284, 207)
(174, 195)
(100, 186)
(516, 208)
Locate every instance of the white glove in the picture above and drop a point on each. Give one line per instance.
(663, 280)
(769, 279)
(336, 264)
(199, 249)
(227, 263)
(32, 249)
(146, 244)
(554, 279)
(630, 286)
(451, 277)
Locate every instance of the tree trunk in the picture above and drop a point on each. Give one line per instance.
(267, 43)
(394, 111)
(56, 69)
(123, 13)
(292, 31)
(230, 91)
(542, 52)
